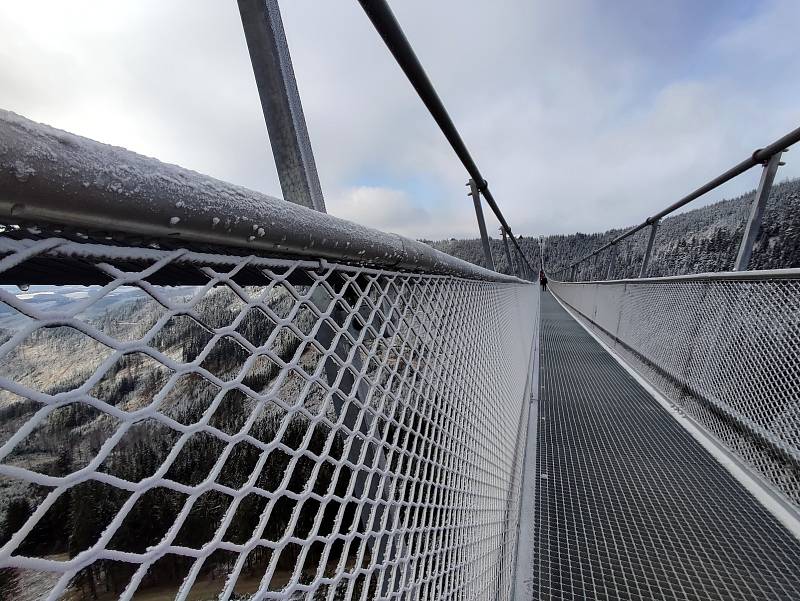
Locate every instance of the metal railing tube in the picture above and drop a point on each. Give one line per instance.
(65, 179)
(758, 157)
(386, 24)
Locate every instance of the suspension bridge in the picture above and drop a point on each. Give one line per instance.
(207, 392)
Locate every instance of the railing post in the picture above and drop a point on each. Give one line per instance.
(611, 258)
(476, 199)
(757, 212)
(508, 251)
(647, 253)
(280, 103)
(523, 268)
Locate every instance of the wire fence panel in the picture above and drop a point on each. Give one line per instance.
(198, 425)
(725, 349)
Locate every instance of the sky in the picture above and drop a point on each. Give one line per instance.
(582, 114)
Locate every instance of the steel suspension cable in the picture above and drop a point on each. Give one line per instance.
(386, 24)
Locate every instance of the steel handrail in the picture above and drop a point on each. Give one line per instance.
(389, 29)
(791, 273)
(65, 179)
(759, 157)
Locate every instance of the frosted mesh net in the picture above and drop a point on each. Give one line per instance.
(260, 429)
(726, 351)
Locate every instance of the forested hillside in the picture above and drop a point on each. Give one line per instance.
(71, 436)
(702, 240)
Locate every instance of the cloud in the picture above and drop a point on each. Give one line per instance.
(582, 115)
(382, 208)
(393, 210)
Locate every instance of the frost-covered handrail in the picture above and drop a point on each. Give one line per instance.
(51, 176)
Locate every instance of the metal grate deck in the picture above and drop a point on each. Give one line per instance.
(628, 504)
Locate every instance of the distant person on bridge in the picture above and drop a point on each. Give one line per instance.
(543, 280)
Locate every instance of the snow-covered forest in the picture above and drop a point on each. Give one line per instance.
(702, 240)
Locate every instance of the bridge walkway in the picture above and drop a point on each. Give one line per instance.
(628, 504)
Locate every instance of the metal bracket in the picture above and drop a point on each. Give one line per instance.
(757, 212)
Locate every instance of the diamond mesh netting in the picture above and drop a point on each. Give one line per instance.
(726, 351)
(199, 425)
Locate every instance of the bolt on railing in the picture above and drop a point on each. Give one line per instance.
(769, 157)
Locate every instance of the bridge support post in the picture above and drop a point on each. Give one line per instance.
(524, 271)
(649, 250)
(476, 199)
(508, 251)
(611, 258)
(280, 102)
(572, 273)
(757, 212)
